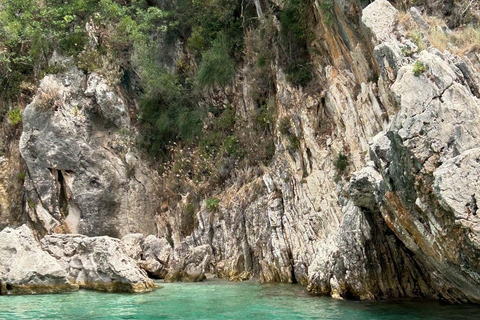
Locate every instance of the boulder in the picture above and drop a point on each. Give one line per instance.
(381, 18)
(189, 264)
(152, 254)
(98, 263)
(26, 269)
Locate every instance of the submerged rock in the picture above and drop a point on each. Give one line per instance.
(98, 263)
(26, 269)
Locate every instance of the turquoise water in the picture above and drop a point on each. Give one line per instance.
(215, 299)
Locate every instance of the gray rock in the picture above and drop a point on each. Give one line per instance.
(380, 17)
(133, 245)
(156, 255)
(417, 17)
(79, 177)
(98, 263)
(151, 253)
(189, 264)
(26, 269)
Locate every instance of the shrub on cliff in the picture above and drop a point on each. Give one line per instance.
(294, 38)
(216, 68)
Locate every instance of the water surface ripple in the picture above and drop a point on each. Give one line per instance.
(216, 299)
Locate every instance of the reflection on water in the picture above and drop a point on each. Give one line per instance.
(216, 299)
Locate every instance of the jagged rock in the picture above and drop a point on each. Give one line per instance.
(99, 263)
(384, 222)
(457, 187)
(425, 187)
(417, 17)
(189, 264)
(110, 105)
(380, 17)
(365, 187)
(156, 255)
(133, 245)
(26, 269)
(151, 253)
(82, 172)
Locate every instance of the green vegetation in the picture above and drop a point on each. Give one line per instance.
(176, 60)
(341, 163)
(217, 68)
(285, 129)
(295, 36)
(15, 116)
(212, 204)
(418, 68)
(326, 7)
(21, 175)
(418, 38)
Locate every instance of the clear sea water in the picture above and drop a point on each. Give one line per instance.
(214, 299)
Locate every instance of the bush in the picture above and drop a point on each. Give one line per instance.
(294, 143)
(341, 163)
(418, 68)
(294, 37)
(15, 116)
(21, 175)
(212, 204)
(216, 68)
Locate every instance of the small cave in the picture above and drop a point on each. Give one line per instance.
(62, 189)
(62, 196)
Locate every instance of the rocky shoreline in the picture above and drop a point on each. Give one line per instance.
(377, 200)
(65, 263)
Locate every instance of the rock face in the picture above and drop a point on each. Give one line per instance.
(98, 263)
(82, 172)
(379, 199)
(157, 257)
(26, 269)
(391, 222)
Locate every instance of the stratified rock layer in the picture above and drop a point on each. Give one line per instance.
(378, 200)
(26, 269)
(98, 263)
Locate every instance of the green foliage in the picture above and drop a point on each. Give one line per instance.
(15, 116)
(418, 68)
(294, 142)
(89, 60)
(417, 38)
(219, 136)
(212, 204)
(341, 163)
(264, 117)
(167, 117)
(326, 7)
(284, 126)
(216, 68)
(21, 176)
(30, 30)
(294, 38)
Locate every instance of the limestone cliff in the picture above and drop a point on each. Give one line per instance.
(83, 173)
(371, 191)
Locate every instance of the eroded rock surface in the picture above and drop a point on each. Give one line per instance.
(377, 200)
(157, 257)
(26, 269)
(83, 175)
(98, 263)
